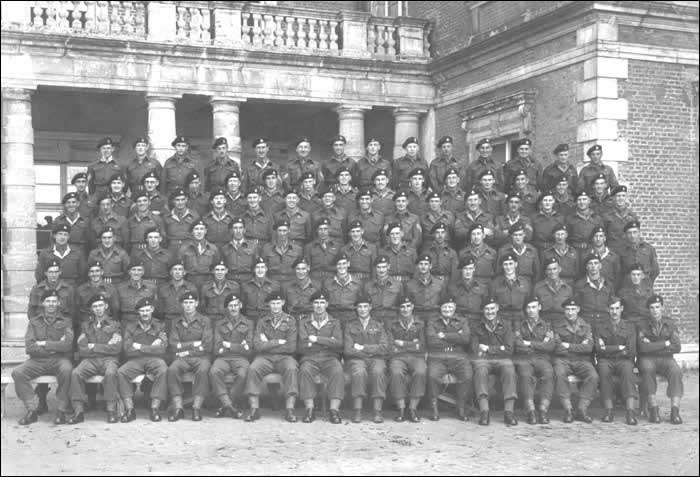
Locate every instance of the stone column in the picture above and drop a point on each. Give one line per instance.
(226, 123)
(406, 124)
(351, 124)
(18, 213)
(161, 125)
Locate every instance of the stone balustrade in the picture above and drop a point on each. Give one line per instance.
(86, 18)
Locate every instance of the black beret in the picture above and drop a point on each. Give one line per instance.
(381, 259)
(140, 140)
(550, 261)
(180, 140)
(424, 258)
(191, 176)
(258, 141)
(614, 299)
(97, 297)
(474, 227)
(236, 220)
(470, 193)
(374, 139)
(221, 262)
(137, 195)
(489, 300)
(299, 261)
(149, 230)
(303, 139)
(509, 256)
(230, 297)
(79, 175)
(196, 223)
(560, 227)
(307, 175)
(275, 295)
(267, 173)
(217, 191)
(634, 224)
(446, 298)
(400, 194)
(531, 299)
(380, 172)
(362, 298)
(62, 227)
(105, 141)
(281, 223)
(135, 263)
(466, 261)
(339, 138)
(150, 175)
(432, 195)
(69, 196)
(524, 142)
(561, 148)
(254, 190)
(94, 263)
(583, 193)
(635, 267)
(617, 189)
(486, 172)
(512, 195)
(231, 175)
(444, 140)
(145, 301)
(323, 221)
(109, 228)
(569, 302)
(179, 192)
(418, 171)
(355, 224)
(174, 262)
(364, 193)
(406, 299)
(341, 170)
(318, 295)
(339, 257)
(600, 176)
(597, 147)
(410, 140)
(189, 295)
(219, 141)
(449, 171)
(655, 299)
(516, 227)
(259, 260)
(393, 226)
(49, 292)
(438, 226)
(595, 230)
(591, 256)
(483, 141)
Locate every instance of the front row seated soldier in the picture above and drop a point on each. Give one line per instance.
(492, 345)
(49, 344)
(366, 345)
(145, 345)
(658, 340)
(275, 342)
(191, 338)
(616, 347)
(448, 337)
(572, 356)
(233, 349)
(320, 347)
(100, 343)
(534, 344)
(407, 367)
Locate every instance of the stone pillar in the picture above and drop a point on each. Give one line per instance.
(406, 124)
(18, 213)
(162, 21)
(428, 137)
(226, 123)
(351, 124)
(161, 125)
(227, 24)
(354, 33)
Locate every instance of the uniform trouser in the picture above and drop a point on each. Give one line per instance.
(407, 376)
(457, 365)
(666, 366)
(622, 367)
(265, 364)
(35, 367)
(237, 365)
(329, 367)
(506, 370)
(367, 373)
(152, 366)
(199, 366)
(582, 369)
(528, 372)
(90, 367)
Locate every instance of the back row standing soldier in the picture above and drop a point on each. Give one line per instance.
(404, 166)
(591, 170)
(523, 162)
(443, 163)
(178, 166)
(299, 165)
(220, 167)
(337, 160)
(100, 172)
(482, 163)
(368, 165)
(141, 165)
(552, 174)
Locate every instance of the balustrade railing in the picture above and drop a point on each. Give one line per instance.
(105, 18)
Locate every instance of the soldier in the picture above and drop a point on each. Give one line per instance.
(658, 341)
(100, 343)
(272, 192)
(382, 195)
(511, 289)
(483, 255)
(564, 201)
(552, 174)
(383, 291)
(444, 258)
(342, 289)
(434, 215)
(275, 343)
(131, 291)
(483, 162)
(100, 171)
(492, 200)
(609, 260)
(366, 346)
(196, 199)
(372, 220)
(568, 257)
(574, 347)
(95, 285)
(443, 163)
(636, 250)
(336, 216)
(121, 204)
(281, 254)
(233, 349)
(337, 160)
(527, 192)
(215, 290)
(258, 224)
(616, 347)
(410, 161)
(76, 221)
(345, 193)
(634, 297)
(473, 215)
(178, 166)
(615, 219)
(235, 199)
(115, 261)
(145, 344)
(239, 253)
(309, 196)
(407, 367)
(151, 183)
(301, 164)
(552, 292)
(253, 171)
(425, 289)
(217, 170)
(453, 197)
(72, 261)
(467, 291)
(87, 205)
(219, 219)
(511, 217)
(256, 290)
(299, 220)
(191, 339)
(371, 163)
(299, 291)
(524, 162)
(199, 254)
(169, 304)
(601, 202)
(528, 258)
(178, 223)
(448, 336)
(320, 347)
(545, 221)
(107, 218)
(591, 170)
(360, 252)
(534, 344)
(417, 192)
(322, 251)
(593, 292)
(141, 220)
(401, 255)
(409, 222)
(492, 345)
(140, 165)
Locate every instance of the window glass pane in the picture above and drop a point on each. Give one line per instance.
(393, 9)
(48, 174)
(72, 170)
(48, 194)
(499, 153)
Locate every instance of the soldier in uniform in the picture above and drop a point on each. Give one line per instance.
(411, 160)
(169, 304)
(434, 215)
(49, 344)
(178, 166)
(107, 218)
(473, 215)
(298, 293)
(371, 163)
(336, 216)
(256, 290)
(527, 192)
(617, 217)
(467, 291)
(100, 343)
(528, 258)
(95, 285)
(141, 220)
(634, 296)
(483, 162)
(121, 204)
(281, 254)
(591, 170)
(407, 367)
(401, 255)
(199, 254)
(309, 196)
(564, 201)
(568, 257)
(636, 250)
(156, 259)
(447, 337)
(253, 171)
(658, 340)
(178, 223)
(609, 260)
(492, 200)
(453, 197)
(444, 258)
(151, 184)
(511, 289)
(545, 221)
(272, 192)
(239, 253)
(101, 171)
(140, 165)
(258, 223)
(345, 193)
(129, 293)
(372, 220)
(552, 174)
(360, 252)
(601, 202)
(524, 162)
(445, 161)
(552, 292)
(511, 217)
(299, 220)
(77, 221)
(216, 171)
(191, 339)
(86, 204)
(409, 222)
(233, 349)
(492, 346)
(321, 252)
(483, 255)
(382, 195)
(115, 261)
(275, 343)
(534, 344)
(366, 347)
(337, 160)
(301, 164)
(343, 290)
(215, 290)
(572, 355)
(197, 200)
(72, 261)
(425, 289)
(219, 219)
(417, 191)
(145, 345)
(320, 346)
(235, 198)
(616, 347)
(593, 292)
(383, 291)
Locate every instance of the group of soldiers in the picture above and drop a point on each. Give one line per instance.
(307, 269)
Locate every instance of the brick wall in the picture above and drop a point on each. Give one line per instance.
(452, 24)
(662, 173)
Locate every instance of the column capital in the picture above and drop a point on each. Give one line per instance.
(352, 107)
(408, 111)
(162, 97)
(18, 94)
